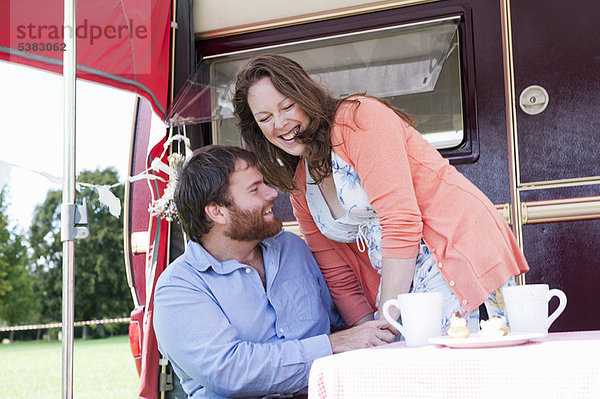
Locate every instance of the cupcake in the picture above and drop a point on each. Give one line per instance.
(495, 326)
(458, 327)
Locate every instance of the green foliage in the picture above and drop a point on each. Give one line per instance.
(5, 286)
(101, 289)
(44, 240)
(17, 300)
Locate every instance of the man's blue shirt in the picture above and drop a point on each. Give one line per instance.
(226, 336)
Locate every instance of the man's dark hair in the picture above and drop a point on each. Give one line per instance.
(204, 180)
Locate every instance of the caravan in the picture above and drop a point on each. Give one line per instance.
(506, 90)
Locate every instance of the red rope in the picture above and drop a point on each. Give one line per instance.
(55, 325)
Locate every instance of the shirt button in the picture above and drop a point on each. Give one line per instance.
(281, 330)
(440, 265)
(464, 302)
(248, 270)
(452, 283)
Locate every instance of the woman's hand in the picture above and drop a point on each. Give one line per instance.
(368, 317)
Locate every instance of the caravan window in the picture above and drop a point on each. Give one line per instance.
(415, 66)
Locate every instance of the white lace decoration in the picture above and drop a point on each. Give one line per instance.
(164, 206)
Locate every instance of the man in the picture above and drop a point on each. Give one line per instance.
(245, 310)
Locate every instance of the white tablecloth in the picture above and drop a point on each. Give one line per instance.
(564, 365)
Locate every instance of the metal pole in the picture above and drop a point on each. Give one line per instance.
(68, 195)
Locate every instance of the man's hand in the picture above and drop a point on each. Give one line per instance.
(370, 333)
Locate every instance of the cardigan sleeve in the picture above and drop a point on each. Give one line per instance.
(341, 279)
(373, 139)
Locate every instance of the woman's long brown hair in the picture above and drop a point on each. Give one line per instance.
(289, 78)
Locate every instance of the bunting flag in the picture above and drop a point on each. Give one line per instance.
(105, 195)
(163, 206)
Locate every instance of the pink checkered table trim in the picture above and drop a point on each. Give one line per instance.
(563, 365)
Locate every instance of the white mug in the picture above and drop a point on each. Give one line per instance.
(421, 314)
(527, 307)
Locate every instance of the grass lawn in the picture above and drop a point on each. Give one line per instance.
(102, 368)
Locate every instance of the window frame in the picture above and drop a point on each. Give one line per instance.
(468, 150)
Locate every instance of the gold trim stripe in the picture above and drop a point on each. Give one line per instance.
(307, 18)
(511, 124)
(504, 210)
(340, 36)
(547, 211)
(511, 118)
(539, 185)
(561, 210)
(293, 227)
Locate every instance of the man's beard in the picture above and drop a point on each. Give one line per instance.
(250, 225)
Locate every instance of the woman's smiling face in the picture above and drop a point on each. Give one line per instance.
(279, 117)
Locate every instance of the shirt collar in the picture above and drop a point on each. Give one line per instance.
(202, 260)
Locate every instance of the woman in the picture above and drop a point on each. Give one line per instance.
(382, 211)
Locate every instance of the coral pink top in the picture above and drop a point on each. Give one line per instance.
(416, 194)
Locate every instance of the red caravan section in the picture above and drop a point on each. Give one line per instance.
(156, 262)
(145, 266)
(120, 43)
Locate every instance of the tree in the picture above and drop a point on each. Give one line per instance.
(44, 240)
(101, 288)
(5, 262)
(17, 300)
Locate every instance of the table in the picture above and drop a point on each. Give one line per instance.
(563, 365)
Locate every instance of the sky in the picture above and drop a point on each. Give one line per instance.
(31, 132)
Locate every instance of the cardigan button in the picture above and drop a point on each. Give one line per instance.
(464, 302)
(440, 265)
(452, 283)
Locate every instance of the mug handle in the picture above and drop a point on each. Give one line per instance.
(561, 305)
(386, 314)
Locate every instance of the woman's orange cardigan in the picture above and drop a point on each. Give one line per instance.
(416, 194)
